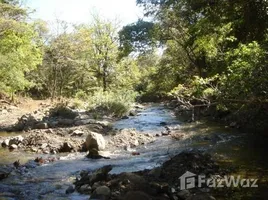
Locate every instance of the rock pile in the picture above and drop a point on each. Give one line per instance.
(130, 138)
(157, 184)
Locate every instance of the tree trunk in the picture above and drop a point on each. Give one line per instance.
(104, 78)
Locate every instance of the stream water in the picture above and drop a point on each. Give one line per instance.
(50, 181)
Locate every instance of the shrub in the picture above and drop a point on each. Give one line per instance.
(62, 110)
(112, 103)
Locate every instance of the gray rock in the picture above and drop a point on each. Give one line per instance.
(16, 140)
(41, 125)
(133, 113)
(77, 133)
(5, 143)
(85, 189)
(102, 191)
(13, 146)
(66, 147)
(4, 112)
(70, 190)
(95, 141)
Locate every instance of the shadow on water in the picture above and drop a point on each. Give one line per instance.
(247, 154)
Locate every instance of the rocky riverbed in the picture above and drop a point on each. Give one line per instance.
(141, 156)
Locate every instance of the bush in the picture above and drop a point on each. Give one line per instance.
(62, 110)
(112, 103)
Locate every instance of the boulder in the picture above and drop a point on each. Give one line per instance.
(102, 191)
(95, 141)
(70, 190)
(85, 189)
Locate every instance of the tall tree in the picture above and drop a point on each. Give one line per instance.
(19, 52)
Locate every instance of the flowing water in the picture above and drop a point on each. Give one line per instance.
(50, 181)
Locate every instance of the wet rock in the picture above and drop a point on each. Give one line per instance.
(88, 178)
(125, 117)
(163, 123)
(70, 190)
(85, 189)
(94, 154)
(103, 191)
(4, 172)
(100, 174)
(95, 141)
(16, 164)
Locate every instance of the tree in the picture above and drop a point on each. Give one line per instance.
(19, 53)
(101, 50)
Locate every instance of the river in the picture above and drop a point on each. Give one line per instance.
(245, 152)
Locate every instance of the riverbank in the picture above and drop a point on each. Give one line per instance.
(148, 140)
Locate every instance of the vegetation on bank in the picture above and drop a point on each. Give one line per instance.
(201, 53)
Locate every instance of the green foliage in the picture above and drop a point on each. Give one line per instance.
(19, 52)
(138, 37)
(247, 72)
(115, 103)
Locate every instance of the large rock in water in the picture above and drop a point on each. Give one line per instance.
(95, 141)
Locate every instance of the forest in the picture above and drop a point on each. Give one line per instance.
(173, 106)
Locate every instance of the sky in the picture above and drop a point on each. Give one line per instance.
(79, 11)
